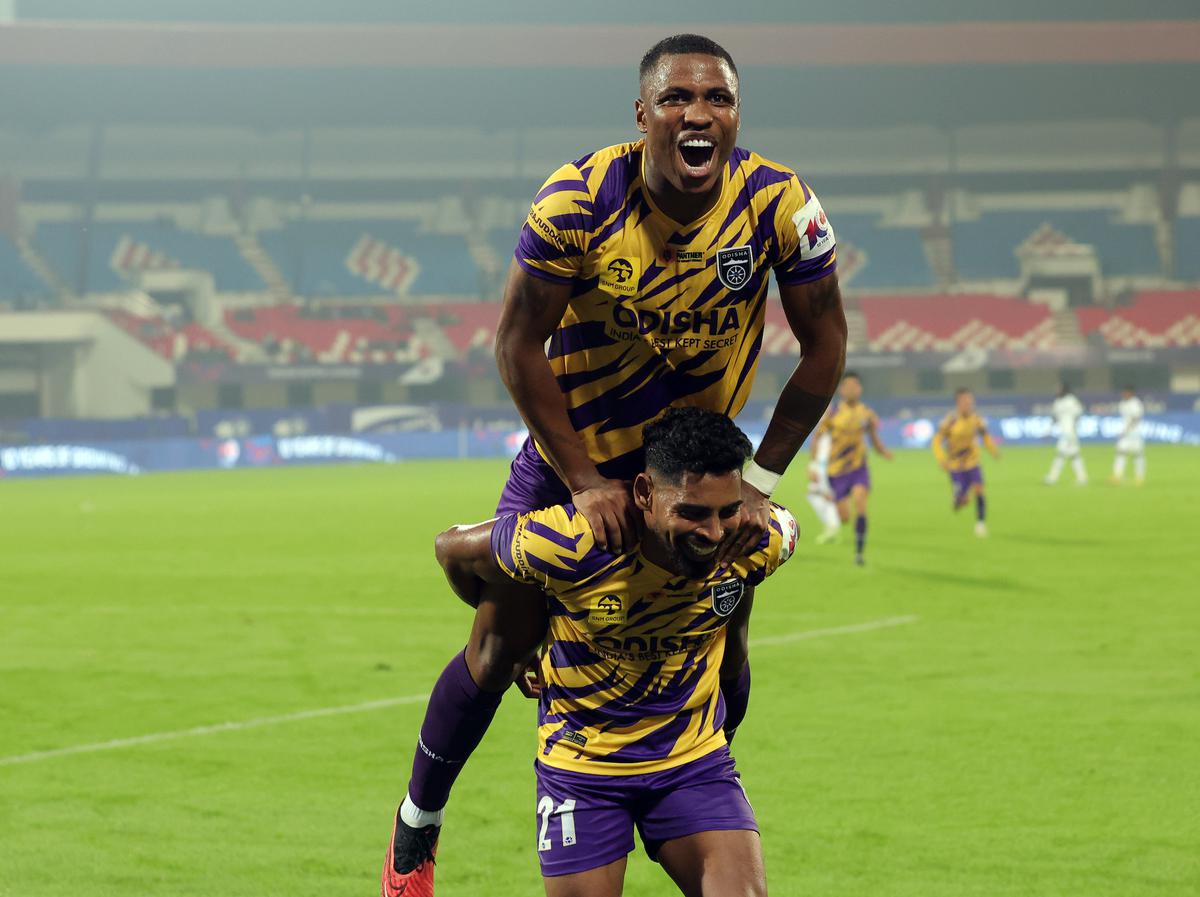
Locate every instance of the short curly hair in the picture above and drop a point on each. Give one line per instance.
(693, 440)
(684, 45)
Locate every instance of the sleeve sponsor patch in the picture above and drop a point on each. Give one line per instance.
(814, 230)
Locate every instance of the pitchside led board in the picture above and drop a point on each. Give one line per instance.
(147, 455)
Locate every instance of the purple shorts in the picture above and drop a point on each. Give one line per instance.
(963, 480)
(844, 482)
(586, 820)
(532, 484)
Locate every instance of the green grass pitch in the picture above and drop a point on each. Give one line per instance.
(1036, 731)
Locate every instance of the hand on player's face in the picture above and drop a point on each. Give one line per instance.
(609, 510)
(755, 518)
(689, 99)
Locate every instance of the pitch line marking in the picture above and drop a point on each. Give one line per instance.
(259, 722)
(870, 625)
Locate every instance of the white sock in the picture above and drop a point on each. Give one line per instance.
(1139, 466)
(825, 510)
(1119, 465)
(832, 520)
(1080, 472)
(411, 814)
(1055, 469)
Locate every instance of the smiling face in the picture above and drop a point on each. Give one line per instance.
(689, 112)
(688, 522)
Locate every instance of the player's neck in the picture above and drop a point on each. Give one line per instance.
(682, 208)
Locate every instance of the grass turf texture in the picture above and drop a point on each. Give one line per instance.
(1034, 733)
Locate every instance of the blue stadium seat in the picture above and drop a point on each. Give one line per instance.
(1187, 248)
(60, 243)
(17, 279)
(313, 257)
(986, 248)
(894, 257)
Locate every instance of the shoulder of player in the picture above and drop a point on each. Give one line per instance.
(558, 542)
(761, 173)
(776, 546)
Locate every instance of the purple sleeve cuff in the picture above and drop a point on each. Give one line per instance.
(806, 272)
(503, 531)
(539, 273)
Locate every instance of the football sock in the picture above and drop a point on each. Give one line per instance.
(860, 533)
(1080, 472)
(736, 693)
(1055, 469)
(1139, 466)
(411, 814)
(458, 714)
(980, 508)
(1119, 466)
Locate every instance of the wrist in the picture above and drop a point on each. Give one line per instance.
(765, 481)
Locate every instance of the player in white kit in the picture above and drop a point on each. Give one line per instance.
(1067, 410)
(1130, 441)
(820, 493)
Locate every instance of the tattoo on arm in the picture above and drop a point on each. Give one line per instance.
(825, 295)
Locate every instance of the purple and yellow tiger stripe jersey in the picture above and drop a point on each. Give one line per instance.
(663, 313)
(847, 428)
(631, 675)
(955, 440)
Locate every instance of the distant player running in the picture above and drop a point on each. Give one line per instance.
(956, 447)
(646, 266)
(1130, 443)
(849, 427)
(1067, 410)
(632, 730)
(820, 493)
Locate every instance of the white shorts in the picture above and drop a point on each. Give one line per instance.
(1131, 445)
(1068, 445)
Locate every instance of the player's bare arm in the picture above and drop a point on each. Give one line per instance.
(532, 309)
(876, 442)
(465, 554)
(737, 656)
(815, 314)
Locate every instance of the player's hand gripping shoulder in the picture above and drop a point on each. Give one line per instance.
(465, 553)
(753, 519)
(608, 507)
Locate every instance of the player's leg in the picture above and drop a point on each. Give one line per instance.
(858, 495)
(1119, 462)
(607, 881)
(701, 827)
(1056, 467)
(510, 623)
(960, 487)
(980, 506)
(716, 864)
(1139, 467)
(584, 828)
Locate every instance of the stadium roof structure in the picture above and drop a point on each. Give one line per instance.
(834, 74)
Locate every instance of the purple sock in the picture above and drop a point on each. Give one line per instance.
(860, 533)
(458, 714)
(980, 508)
(735, 691)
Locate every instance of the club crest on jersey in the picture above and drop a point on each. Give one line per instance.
(735, 264)
(726, 596)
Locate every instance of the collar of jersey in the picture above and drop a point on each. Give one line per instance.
(664, 572)
(691, 225)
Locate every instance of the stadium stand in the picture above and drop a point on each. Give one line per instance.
(17, 279)
(985, 249)
(374, 333)
(189, 340)
(1153, 320)
(118, 250)
(953, 322)
(358, 258)
(874, 257)
(1187, 248)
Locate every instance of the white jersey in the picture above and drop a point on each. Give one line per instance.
(1132, 411)
(1067, 410)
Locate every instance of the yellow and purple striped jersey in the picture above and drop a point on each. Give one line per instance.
(847, 428)
(631, 676)
(664, 313)
(955, 441)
